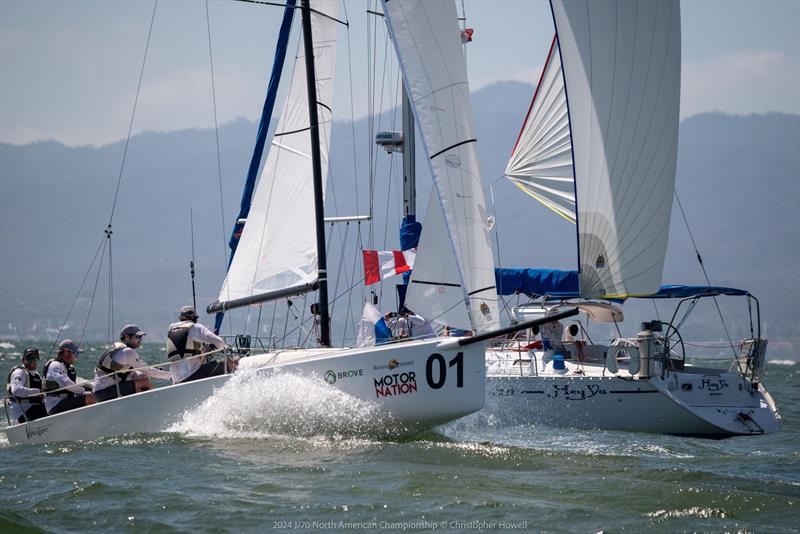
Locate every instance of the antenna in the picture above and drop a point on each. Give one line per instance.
(191, 262)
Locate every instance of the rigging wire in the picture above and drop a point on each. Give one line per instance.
(352, 107)
(110, 289)
(106, 239)
(708, 282)
(78, 294)
(371, 29)
(91, 302)
(272, 324)
(133, 114)
(348, 315)
(219, 157)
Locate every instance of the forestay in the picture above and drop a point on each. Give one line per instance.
(427, 40)
(621, 64)
(277, 251)
(541, 163)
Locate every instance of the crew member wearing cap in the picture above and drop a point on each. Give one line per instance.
(120, 370)
(185, 341)
(62, 392)
(24, 389)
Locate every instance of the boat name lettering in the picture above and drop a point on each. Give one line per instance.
(573, 392)
(713, 384)
(36, 431)
(395, 384)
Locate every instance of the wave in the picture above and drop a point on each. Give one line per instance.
(251, 405)
(782, 362)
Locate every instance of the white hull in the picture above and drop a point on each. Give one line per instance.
(696, 401)
(415, 384)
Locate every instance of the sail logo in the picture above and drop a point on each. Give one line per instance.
(332, 376)
(452, 161)
(600, 263)
(395, 384)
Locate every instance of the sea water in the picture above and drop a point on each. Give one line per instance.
(289, 453)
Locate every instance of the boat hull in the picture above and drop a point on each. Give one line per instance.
(697, 402)
(416, 385)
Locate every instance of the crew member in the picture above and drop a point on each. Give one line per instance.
(120, 370)
(552, 332)
(185, 341)
(24, 389)
(418, 327)
(62, 392)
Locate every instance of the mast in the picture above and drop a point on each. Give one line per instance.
(409, 169)
(319, 207)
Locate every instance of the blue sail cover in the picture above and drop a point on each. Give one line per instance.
(261, 138)
(680, 292)
(410, 230)
(537, 282)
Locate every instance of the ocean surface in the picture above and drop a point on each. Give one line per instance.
(302, 459)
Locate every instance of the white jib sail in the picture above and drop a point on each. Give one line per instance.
(428, 44)
(278, 249)
(621, 63)
(541, 163)
(435, 289)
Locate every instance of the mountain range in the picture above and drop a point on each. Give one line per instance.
(738, 182)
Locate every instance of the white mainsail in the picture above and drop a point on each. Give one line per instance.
(277, 250)
(427, 40)
(541, 163)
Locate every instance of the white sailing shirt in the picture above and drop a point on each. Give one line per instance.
(419, 327)
(18, 389)
(57, 372)
(128, 357)
(183, 369)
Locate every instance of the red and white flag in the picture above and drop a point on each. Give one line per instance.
(382, 264)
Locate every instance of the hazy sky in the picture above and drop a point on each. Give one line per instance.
(68, 69)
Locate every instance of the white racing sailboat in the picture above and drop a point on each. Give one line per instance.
(282, 249)
(599, 147)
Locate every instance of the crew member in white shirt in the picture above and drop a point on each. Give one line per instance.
(24, 390)
(121, 371)
(60, 375)
(408, 324)
(185, 341)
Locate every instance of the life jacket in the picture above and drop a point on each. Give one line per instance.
(32, 380)
(107, 366)
(178, 345)
(50, 385)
